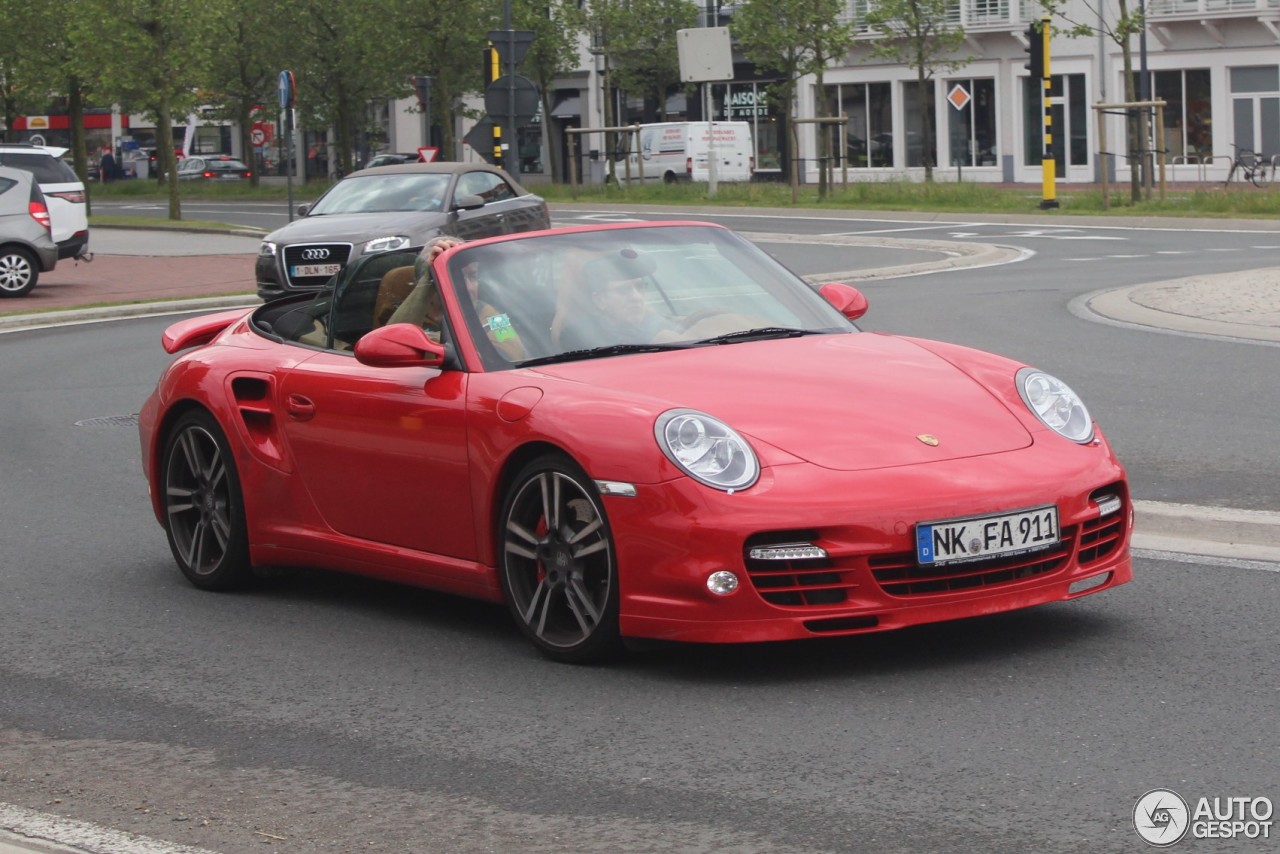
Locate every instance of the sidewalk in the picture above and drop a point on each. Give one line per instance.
(136, 266)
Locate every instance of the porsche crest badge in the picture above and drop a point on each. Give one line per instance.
(931, 441)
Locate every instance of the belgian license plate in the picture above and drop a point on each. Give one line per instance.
(316, 270)
(982, 537)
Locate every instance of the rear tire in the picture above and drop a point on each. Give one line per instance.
(556, 562)
(203, 505)
(19, 271)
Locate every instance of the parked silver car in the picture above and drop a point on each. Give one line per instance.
(392, 208)
(27, 248)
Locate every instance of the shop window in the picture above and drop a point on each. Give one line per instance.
(972, 130)
(918, 139)
(869, 125)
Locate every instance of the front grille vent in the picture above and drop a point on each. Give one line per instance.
(796, 583)
(898, 574)
(1100, 537)
(309, 254)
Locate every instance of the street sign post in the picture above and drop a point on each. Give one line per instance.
(706, 55)
(512, 45)
(287, 89)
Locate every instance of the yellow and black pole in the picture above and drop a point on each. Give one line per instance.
(1038, 36)
(492, 71)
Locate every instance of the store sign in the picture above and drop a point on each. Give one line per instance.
(746, 103)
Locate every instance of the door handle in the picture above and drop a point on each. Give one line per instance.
(300, 408)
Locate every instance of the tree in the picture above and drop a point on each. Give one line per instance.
(794, 38)
(244, 70)
(345, 56)
(638, 41)
(37, 68)
(643, 46)
(916, 34)
(1124, 25)
(149, 55)
(447, 41)
(555, 26)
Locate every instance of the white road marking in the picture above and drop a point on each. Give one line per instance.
(42, 827)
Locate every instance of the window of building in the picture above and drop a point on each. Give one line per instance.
(1069, 114)
(1255, 108)
(869, 129)
(916, 135)
(748, 102)
(1188, 113)
(972, 129)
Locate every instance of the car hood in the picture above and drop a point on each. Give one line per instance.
(360, 227)
(845, 402)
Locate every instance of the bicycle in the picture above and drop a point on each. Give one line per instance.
(1252, 167)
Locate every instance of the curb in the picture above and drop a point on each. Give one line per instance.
(1207, 531)
(72, 316)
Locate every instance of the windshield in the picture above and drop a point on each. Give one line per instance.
(384, 194)
(563, 297)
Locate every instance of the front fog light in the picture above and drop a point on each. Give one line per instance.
(722, 583)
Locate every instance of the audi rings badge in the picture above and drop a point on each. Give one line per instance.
(315, 254)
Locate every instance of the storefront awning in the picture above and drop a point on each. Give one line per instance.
(568, 106)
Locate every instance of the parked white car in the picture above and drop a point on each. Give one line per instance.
(64, 193)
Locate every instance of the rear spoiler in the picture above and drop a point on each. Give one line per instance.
(198, 331)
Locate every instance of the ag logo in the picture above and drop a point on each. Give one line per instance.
(1161, 817)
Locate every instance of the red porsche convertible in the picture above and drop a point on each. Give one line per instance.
(633, 431)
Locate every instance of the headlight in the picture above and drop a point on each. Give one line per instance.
(267, 248)
(386, 244)
(706, 449)
(1054, 403)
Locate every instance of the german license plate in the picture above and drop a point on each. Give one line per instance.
(982, 537)
(316, 270)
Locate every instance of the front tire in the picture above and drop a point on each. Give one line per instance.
(19, 272)
(203, 505)
(557, 563)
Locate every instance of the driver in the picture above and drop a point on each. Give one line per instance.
(615, 284)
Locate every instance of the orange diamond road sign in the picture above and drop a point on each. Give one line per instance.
(958, 97)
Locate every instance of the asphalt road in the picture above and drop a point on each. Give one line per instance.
(322, 713)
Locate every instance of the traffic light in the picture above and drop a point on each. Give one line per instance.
(1035, 51)
(492, 65)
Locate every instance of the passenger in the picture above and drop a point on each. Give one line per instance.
(423, 306)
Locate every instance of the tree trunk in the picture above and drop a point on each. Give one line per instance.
(926, 124)
(164, 155)
(824, 148)
(1131, 123)
(75, 106)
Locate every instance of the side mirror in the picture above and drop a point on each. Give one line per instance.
(847, 300)
(302, 209)
(399, 345)
(468, 203)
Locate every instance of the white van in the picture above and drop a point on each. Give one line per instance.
(677, 151)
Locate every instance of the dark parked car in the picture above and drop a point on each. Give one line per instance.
(211, 167)
(393, 208)
(393, 159)
(26, 242)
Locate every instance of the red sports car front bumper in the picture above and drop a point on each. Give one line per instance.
(672, 536)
